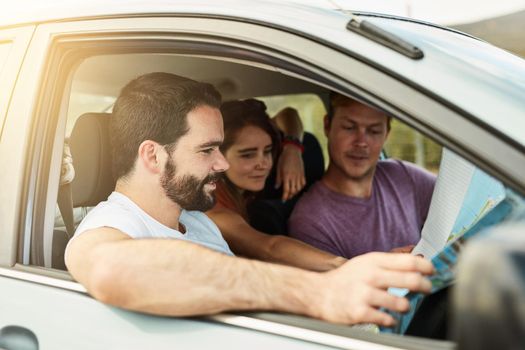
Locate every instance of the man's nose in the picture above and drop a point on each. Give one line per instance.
(361, 137)
(221, 164)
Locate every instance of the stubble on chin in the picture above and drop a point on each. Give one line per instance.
(188, 191)
(352, 172)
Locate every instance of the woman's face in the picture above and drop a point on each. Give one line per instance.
(250, 158)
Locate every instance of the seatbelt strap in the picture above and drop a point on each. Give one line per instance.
(65, 205)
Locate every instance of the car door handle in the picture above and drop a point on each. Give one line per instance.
(17, 338)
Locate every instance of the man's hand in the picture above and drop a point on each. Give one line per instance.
(290, 172)
(354, 292)
(405, 249)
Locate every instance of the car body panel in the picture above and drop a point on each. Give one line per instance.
(93, 325)
(17, 39)
(64, 316)
(13, 45)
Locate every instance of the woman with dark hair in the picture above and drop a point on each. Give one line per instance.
(251, 144)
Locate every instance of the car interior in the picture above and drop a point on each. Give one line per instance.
(95, 85)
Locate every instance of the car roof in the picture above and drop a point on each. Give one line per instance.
(35, 11)
(475, 77)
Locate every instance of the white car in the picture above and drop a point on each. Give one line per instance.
(60, 61)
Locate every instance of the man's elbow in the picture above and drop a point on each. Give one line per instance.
(103, 283)
(100, 276)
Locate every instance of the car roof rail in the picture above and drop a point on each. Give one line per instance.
(383, 37)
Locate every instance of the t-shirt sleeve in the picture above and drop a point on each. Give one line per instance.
(110, 215)
(424, 182)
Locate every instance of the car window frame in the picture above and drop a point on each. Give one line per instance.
(18, 39)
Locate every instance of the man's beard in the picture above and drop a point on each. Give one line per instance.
(353, 175)
(188, 191)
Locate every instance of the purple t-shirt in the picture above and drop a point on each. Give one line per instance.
(392, 217)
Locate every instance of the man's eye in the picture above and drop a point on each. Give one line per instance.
(207, 151)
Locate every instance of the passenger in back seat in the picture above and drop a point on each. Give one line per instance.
(150, 248)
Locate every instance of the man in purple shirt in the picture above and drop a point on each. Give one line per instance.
(362, 204)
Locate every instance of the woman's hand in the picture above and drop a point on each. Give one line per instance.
(290, 171)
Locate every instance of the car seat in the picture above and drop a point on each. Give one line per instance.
(91, 152)
(93, 182)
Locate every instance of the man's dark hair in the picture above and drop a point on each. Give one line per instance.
(154, 107)
(338, 100)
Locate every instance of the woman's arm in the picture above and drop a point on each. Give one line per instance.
(289, 122)
(245, 241)
(290, 167)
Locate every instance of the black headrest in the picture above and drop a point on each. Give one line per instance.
(91, 153)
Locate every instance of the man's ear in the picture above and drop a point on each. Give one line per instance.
(326, 123)
(150, 156)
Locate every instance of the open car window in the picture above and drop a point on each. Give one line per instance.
(94, 96)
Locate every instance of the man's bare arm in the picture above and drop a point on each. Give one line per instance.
(175, 277)
(178, 278)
